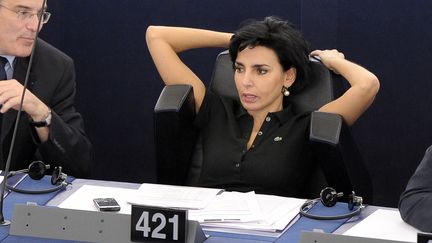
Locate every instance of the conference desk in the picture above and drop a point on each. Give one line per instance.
(292, 234)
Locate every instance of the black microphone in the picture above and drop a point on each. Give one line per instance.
(4, 222)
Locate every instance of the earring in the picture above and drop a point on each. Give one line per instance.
(285, 91)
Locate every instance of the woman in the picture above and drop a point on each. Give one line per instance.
(258, 143)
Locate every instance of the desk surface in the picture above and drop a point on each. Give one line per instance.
(77, 183)
(292, 235)
(80, 182)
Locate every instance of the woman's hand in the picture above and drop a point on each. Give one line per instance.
(364, 86)
(327, 57)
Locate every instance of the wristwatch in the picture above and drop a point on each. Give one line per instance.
(44, 123)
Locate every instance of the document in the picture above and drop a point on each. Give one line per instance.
(229, 207)
(173, 196)
(384, 224)
(277, 212)
(82, 199)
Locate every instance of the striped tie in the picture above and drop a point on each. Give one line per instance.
(3, 62)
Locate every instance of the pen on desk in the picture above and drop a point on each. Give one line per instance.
(221, 220)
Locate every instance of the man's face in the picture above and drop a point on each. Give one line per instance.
(18, 35)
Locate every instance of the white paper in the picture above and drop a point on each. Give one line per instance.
(229, 207)
(384, 224)
(173, 196)
(82, 199)
(277, 214)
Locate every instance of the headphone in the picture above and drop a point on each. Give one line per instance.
(36, 171)
(328, 197)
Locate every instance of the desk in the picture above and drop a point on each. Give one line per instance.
(291, 235)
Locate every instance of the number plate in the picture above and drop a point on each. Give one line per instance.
(155, 224)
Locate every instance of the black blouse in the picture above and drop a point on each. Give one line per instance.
(279, 161)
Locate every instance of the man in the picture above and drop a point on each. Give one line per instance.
(415, 204)
(50, 129)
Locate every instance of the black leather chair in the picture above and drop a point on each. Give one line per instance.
(178, 151)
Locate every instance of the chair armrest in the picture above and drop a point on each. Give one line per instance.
(338, 155)
(175, 134)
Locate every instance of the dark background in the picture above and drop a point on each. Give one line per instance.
(118, 84)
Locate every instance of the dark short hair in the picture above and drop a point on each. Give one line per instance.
(282, 37)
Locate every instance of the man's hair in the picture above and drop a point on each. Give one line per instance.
(281, 36)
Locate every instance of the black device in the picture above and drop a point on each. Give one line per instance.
(106, 204)
(36, 171)
(329, 197)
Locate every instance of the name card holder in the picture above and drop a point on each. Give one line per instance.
(81, 225)
(163, 225)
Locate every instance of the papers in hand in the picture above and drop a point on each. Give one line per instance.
(173, 196)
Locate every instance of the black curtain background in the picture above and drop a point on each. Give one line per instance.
(118, 84)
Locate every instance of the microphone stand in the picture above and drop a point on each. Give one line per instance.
(4, 222)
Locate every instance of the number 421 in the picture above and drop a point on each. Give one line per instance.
(143, 225)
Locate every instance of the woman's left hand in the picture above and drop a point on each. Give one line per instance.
(328, 56)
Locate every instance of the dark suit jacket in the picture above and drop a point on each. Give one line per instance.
(52, 80)
(415, 204)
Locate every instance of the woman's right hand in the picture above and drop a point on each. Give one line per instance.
(164, 44)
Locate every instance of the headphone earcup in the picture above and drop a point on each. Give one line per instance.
(328, 197)
(58, 176)
(37, 169)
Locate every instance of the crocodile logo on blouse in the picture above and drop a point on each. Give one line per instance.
(277, 139)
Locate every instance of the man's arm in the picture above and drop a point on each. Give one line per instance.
(415, 204)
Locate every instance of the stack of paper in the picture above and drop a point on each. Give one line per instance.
(276, 213)
(215, 208)
(229, 207)
(173, 196)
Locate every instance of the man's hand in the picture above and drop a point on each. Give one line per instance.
(10, 97)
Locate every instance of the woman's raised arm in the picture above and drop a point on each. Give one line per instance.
(364, 86)
(164, 44)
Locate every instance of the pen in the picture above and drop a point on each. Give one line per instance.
(221, 220)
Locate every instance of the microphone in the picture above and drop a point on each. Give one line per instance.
(3, 221)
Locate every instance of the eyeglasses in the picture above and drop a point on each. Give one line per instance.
(25, 15)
